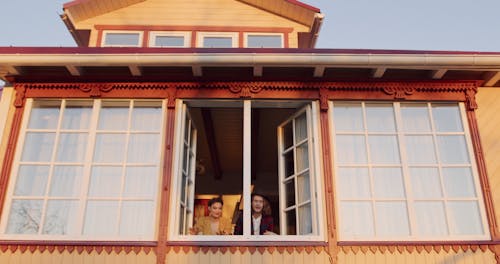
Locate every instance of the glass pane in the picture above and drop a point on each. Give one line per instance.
(465, 218)
(380, 117)
(24, 217)
(415, 118)
(458, 182)
(217, 42)
(447, 118)
(76, 117)
(430, 219)
(305, 219)
(264, 41)
(303, 188)
(184, 188)
(384, 149)
(71, 147)
(425, 183)
(61, 218)
(290, 193)
(101, 218)
(356, 219)
(348, 117)
(169, 41)
(350, 149)
(141, 182)
(388, 183)
(287, 135)
(105, 181)
(44, 117)
(137, 218)
(66, 181)
(420, 150)
(300, 128)
(291, 223)
(353, 183)
(31, 180)
(109, 148)
(392, 219)
(182, 224)
(302, 157)
(125, 39)
(144, 148)
(289, 163)
(452, 149)
(146, 118)
(38, 146)
(114, 117)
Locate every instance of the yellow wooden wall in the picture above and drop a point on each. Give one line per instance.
(6, 114)
(488, 100)
(192, 13)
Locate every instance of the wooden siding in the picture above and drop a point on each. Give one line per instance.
(489, 128)
(6, 115)
(192, 13)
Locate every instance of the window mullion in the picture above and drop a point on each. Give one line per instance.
(370, 167)
(247, 172)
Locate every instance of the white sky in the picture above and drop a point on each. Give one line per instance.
(459, 25)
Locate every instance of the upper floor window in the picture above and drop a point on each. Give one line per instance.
(170, 39)
(217, 40)
(406, 171)
(235, 148)
(86, 169)
(264, 40)
(122, 39)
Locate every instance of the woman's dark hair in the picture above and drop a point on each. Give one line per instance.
(215, 200)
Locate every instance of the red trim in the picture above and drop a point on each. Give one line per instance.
(304, 5)
(248, 243)
(145, 38)
(99, 38)
(197, 28)
(241, 43)
(286, 40)
(194, 35)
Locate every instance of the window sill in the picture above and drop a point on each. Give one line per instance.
(233, 243)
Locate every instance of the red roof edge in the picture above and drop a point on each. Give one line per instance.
(295, 2)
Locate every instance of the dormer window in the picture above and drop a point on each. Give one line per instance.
(170, 39)
(263, 40)
(122, 39)
(217, 40)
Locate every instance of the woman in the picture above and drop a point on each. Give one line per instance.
(214, 223)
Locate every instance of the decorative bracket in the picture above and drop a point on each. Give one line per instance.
(245, 91)
(95, 89)
(399, 93)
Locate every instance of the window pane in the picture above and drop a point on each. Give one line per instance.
(392, 219)
(146, 119)
(350, 149)
(380, 117)
(143, 148)
(71, 147)
(169, 41)
(300, 128)
(425, 183)
(66, 181)
(452, 149)
(105, 182)
(125, 39)
(303, 188)
(348, 117)
(288, 135)
(420, 149)
(24, 217)
(353, 183)
(264, 41)
(291, 222)
(44, 117)
(430, 218)
(447, 118)
(141, 182)
(458, 182)
(114, 117)
(109, 148)
(101, 218)
(137, 218)
(415, 118)
(305, 219)
(289, 163)
(388, 183)
(61, 218)
(356, 219)
(38, 146)
(76, 117)
(302, 157)
(217, 42)
(290, 193)
(384, 149)
(465, 218)
(31, 180)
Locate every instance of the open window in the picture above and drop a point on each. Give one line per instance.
(231, 148)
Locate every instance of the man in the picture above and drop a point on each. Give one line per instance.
(262, 221)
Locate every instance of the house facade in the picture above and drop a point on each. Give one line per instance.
(111, 150)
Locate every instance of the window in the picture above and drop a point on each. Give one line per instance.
(122, 39)
(217, 40)
(170, 39)
(86, 169)
(264, 40)
(234, 147)
(406, 171)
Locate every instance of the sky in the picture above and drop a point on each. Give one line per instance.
(456, 25)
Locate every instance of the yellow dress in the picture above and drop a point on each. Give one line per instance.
(204, 224)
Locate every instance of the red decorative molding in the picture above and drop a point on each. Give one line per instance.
(20, 95)
(196, 28)
(416, 248)
(95, 89)
(398, 92)
(470, 99)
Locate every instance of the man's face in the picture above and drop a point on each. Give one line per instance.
(257, 204)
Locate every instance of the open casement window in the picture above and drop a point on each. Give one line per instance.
(228, 148)
(86, 170)
(406, 171)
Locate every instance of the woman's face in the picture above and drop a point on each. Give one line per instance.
(215, 210)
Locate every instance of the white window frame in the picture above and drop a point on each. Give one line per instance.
(405, 175)
(106, 32)
(246, 35)
(87, 164)
(185, 34)
(316, 181)
(200, 37)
